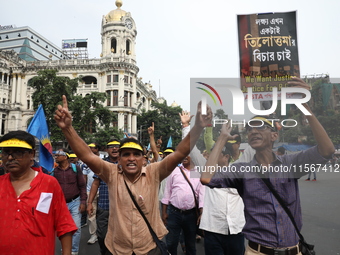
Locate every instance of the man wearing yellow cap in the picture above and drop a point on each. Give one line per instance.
(33, 208)
(127, 231)
(268, 227)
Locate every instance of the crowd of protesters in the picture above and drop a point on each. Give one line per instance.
(136, 198)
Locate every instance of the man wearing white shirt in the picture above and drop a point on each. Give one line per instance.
(223, 217)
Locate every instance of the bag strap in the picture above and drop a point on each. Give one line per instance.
(192, 189)
(154, 236)
(283, 204)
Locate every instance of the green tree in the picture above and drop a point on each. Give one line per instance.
(167, 123)
(88, 112)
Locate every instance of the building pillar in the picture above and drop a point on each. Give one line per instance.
(14, 88)
(134, 124)
(19, 90)
(129, 123)
(24, 95)
(121, 88)
(121, 121)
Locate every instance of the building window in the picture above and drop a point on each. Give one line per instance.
(4, 100)
(115, 98)
(109, 79)
(115, 123)
(126, 98)
(125, 122)
(108, 98)
(126, 78)
(28, 104)
(113, 45)
(115, 78)
(128, 51)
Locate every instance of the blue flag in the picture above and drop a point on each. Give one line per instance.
(169, 142)
(38, 128)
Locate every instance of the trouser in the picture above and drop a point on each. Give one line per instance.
(176, 222)
(92, 218)
(218, 244)
(73, 207)
(155, 251)
(102, 219)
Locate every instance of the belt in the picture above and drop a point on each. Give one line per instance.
(74, 198)
(273, 251)
(183, 211)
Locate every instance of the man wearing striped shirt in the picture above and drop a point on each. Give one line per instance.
(268, 228)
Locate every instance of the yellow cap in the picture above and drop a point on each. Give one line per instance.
(168, 150)
(132, 145)
(232, 141)
(72, 155)
(92, 145)
(264, 120)
(15, 143)
(113, 143)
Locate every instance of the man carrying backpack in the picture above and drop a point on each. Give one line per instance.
(72, 182)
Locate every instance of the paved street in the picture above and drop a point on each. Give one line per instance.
(320, 208)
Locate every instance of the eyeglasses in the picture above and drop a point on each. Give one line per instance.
(113, 146)
(17, 154)
(258, 128)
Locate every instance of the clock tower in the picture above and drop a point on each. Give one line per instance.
(118, 34)
(120, 71)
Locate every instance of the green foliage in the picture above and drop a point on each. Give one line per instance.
(167, 123)
(88, 112)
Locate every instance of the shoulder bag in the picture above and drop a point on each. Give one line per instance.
(199, 231)
(305, 248)
(160, 244)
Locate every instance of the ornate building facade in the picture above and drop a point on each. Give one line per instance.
(114, 73)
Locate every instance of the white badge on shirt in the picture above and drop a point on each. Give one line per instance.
(44, 202)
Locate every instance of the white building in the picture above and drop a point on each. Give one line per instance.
(115, 73)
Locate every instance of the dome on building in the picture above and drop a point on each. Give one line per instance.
(174, 104)
(116, 15)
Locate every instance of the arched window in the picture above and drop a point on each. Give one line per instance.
(128, 50)
(113, 45)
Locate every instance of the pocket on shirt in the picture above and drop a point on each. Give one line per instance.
(288, 190)
(36, 222)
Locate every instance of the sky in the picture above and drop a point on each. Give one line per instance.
(179, 40)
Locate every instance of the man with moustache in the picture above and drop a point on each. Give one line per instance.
(268, 228)
(127, 231)
(33, 209)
